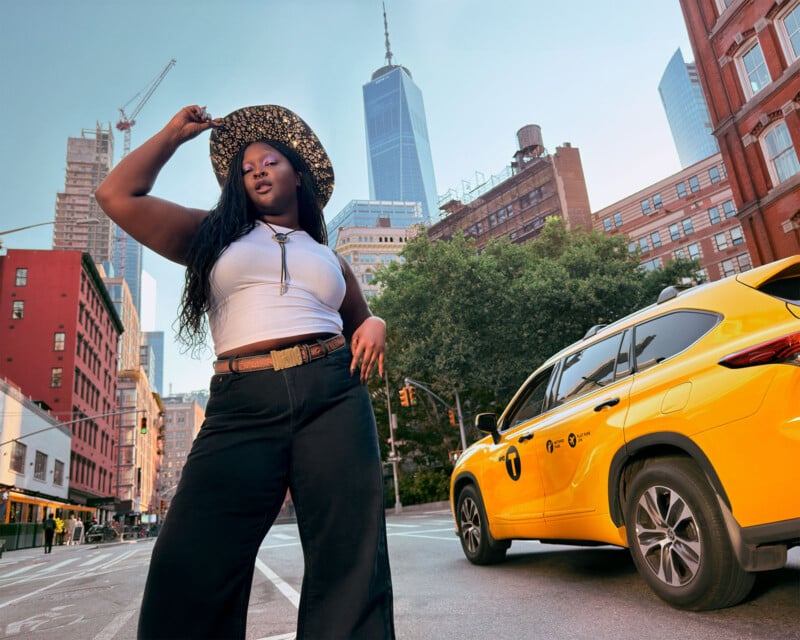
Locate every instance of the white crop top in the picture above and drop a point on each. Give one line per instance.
(246, 305)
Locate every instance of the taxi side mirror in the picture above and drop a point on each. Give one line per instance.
(487, 423)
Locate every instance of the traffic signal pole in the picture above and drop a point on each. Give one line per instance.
(419, 385)
(393, 457)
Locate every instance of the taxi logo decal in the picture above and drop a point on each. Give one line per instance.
(513, 463)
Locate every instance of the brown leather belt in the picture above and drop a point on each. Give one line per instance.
(280, 358)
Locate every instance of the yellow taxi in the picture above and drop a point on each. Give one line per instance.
(674, 432)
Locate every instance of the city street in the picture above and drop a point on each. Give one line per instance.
(92, 592)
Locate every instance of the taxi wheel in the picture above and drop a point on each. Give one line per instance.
(678, 539)
(473, 530)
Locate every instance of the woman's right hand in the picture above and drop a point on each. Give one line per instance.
(190, 122)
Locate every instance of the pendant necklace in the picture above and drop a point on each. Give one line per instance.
(281, 238)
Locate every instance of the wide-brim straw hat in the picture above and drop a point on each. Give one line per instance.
(271, 122)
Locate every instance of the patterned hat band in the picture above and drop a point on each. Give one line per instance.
(271, 122)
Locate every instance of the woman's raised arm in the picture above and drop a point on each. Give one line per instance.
(163, 226)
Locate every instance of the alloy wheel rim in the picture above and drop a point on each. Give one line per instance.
(668, 536)
(470, 525)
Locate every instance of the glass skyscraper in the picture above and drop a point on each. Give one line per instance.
(398, 150)
(687, 112)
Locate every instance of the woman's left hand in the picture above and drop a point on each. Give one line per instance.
(368, 346)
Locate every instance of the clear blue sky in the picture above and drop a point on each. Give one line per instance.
(586, 72)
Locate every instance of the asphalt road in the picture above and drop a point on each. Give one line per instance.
(92, 592)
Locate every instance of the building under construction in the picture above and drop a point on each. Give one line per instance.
(80, 223)
(516, 203)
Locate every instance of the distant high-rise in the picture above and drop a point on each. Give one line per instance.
(687, 111)
(398, 150)
(155, 368)
(372, 213)
(80, 223)
(128, 264)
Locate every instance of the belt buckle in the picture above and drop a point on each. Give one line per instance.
(286, 358)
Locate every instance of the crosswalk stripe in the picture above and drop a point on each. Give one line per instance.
(96, 559)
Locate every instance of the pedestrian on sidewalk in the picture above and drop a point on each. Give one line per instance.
(49, 533)
(71, 524)
(289, 406)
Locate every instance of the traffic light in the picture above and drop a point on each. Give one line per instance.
(143, 428)
(404, 399)
(451, 415)
(412, 395)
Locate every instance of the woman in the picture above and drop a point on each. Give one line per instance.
(288, 405)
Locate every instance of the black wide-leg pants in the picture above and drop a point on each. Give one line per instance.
(310, 429)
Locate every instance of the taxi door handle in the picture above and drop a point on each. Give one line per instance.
(608, 403)
(527, 436)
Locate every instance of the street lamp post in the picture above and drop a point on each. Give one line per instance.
(43, 224)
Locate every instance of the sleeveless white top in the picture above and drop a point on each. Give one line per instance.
(246, 305)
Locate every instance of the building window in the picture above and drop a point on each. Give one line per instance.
(657, 203)
(632, 248)
(694, 184)
(686, 223)
(617, 219)
(721, 240)
(40, 466)
(680, 188)
(674, 232)
(694, 251)
(22, 277)
(17, 309)
(18, 454)
(607, 224)
(729, 209)
(723, 4)
(651, 265)
(643, 246)
(735, 265)
(56, 376)
(59, 339)
(737, 237)
(714, 216)
(780, 153)
(791, 32)
(713, 175)
(58, 473)
(655, 238)
(646, 207)
(754, 70)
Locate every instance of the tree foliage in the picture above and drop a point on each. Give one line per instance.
(479, 323)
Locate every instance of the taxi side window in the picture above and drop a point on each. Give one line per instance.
(663, 337)
(533, 402)
(589, 369)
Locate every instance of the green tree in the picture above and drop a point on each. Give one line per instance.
(480, 322)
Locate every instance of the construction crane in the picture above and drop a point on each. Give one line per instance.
(127, 121)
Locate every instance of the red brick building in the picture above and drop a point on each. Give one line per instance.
(58, 344)
(690, 214)
(747, 54)
(515, 205)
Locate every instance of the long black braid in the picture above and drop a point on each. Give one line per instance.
(231, 218)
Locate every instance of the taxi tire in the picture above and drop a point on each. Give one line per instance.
(712, 578)
(473, 530)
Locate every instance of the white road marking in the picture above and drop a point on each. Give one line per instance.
(95, 560)
(111, 629)
(58, 565)
(74, 576)
(22, 570)
(282, 536)
(286, 589)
